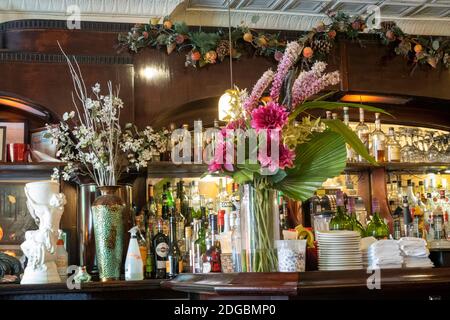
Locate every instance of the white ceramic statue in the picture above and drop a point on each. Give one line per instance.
(46, 206)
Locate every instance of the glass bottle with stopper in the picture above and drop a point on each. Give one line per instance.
(376, 227)
(378, 141)
(341, 221)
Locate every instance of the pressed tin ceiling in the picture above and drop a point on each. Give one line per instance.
(413, 16)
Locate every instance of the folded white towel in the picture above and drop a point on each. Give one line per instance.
(384, 244)
(410, 241)
(384, 261)
(419, 252)
(385, 266)
(412, 262)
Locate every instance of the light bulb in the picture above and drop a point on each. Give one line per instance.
(224, 106)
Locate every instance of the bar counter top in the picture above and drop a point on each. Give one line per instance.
(145, 289)
(411, 283)
(414, 283)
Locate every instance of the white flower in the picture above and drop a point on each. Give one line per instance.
(67, 116)
(96, 88)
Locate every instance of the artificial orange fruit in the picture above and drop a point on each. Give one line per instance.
(168, 24)
(195, 56)
(248, 37)
(308, 52)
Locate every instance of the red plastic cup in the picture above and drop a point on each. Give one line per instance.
(17, 152)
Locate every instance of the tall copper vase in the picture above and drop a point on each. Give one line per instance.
(107, 213)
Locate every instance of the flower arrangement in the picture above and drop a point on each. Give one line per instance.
(309, 151)
(206, 48)
(90, 140)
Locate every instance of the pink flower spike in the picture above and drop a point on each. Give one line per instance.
(252, 101)
(290, 56)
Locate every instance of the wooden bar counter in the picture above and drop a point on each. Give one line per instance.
(422, 284)
(411, 283)
(139, 290)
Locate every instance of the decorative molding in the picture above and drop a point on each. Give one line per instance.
(92, 10)
(58, 58)
(62, 24)
(299, 22)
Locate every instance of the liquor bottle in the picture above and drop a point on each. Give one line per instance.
(378, 141)
(392, 196)
(170, 143)
(407, 219)
(200, 245)
(164, 202)
(174, 263)
(150, 259)
(161, 246)
(188, 155)
(223, 198)
(236, 243)
(412, 199)
(356, 225)
(283, 214)
(197, 142)
(362, 131)
(62, 257)
(221, 221)
(169, 196)
(235, 197)
(350, 152)
(196, 248)
(211, 257)
(187, 253)
(341, 221)
(195, 200)
(150, 211)
(392, 147)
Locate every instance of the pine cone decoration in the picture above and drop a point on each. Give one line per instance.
(322, 46)
(387, 25)
(223, 49)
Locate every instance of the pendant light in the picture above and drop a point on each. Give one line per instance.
(226, 99)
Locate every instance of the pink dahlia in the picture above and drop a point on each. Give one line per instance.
(272, 116)
(287, 157)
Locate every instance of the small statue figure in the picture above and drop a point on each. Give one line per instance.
(46, 206)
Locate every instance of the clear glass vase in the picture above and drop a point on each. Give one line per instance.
(259, 227)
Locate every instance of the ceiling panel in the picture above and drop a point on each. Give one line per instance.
(395, 8)
(305, 6)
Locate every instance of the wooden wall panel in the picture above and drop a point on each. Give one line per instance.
(158, 100)
(50, 85)
(78, 42)
(368, 71)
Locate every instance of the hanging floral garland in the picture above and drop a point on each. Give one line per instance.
(204, 48)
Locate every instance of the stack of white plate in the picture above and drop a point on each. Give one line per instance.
(339, 250)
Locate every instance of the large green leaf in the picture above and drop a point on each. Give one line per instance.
(350, 137)
(330, 105)
(323, 157)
